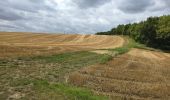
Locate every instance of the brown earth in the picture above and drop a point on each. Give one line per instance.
(21, 44)
(139, 74)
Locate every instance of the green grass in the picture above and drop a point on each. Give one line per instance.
(127, 47)
(133, 44)
(79, 59)
(120, 50)
(105, 58)
(43, 77)
(72, 92)
(42, 89)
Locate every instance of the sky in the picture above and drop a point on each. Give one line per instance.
(76, 16)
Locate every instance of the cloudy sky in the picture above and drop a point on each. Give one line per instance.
(76, 16)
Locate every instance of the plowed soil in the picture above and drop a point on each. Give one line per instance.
(21, 44)
(139, 74)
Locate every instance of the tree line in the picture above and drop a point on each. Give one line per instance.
(154, 32)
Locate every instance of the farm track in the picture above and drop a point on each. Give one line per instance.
(139, 74)
(27, 44)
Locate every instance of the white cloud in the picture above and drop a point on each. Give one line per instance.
(75, 16)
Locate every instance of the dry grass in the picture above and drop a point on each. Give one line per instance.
(129, 76)
(27, 44)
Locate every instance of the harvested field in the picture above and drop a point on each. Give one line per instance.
(139, 74)
(21, 44)
(43, 77)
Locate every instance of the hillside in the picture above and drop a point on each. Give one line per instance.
(136, 75)
(20, 44)
(83, 67)
(36, 65)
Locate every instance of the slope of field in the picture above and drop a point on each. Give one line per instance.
(19, 44)
(139, 74)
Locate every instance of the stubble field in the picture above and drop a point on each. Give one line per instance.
(36, 66)
(20, 44)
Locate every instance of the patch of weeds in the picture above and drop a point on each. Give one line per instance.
(20, 82)
(71, 92)
(77, 93)
(3, 62)
(73, 60)
(133, 44)
(64, 57)
(121, 50)
(126, 48)
(8, 63)
(69, 62)
(105, 58)
(76, 59)
(54, 58)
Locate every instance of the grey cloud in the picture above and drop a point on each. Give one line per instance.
(167, 2)
(16, 9)
(75, 16)
(8, 26)
(9, 15)
(160, 5)
(90, 3)
(134, 6)
(27, 5)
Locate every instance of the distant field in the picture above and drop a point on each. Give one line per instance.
(20, 44)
